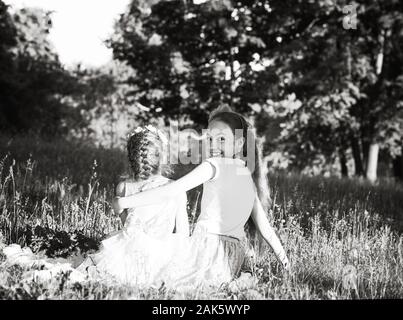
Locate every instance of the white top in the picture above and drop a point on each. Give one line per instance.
(228, 198)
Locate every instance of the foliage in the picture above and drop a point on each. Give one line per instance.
(334, 90)
(200, 57)
(320, 93)
(341, 86)
(107, 111)
(34, 79)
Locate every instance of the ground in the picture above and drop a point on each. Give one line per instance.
(343, 236)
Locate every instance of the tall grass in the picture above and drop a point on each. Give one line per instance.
(343, 237)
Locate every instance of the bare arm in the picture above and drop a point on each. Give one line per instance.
(267, 232)
(199, 175)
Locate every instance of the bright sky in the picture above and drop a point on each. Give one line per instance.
(79, 27)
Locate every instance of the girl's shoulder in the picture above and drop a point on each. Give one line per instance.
(126, 187)
(226, 161)
(221, 165)
(154, 182)
(129, 186)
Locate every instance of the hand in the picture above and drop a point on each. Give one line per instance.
(286, 264)
(117, 206)
(284, 261)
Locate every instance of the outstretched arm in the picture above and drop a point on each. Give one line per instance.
(267, 232)
(199, 175)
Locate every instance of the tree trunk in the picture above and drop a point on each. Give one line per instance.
(112, 129)
(372, 165)
(398, 168)
(373, 152)
(343, 164)
(365, 153)
(357, 155)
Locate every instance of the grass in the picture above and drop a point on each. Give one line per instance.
(343, 237)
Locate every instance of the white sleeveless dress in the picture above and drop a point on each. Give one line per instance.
(128, 255)
(215, 252)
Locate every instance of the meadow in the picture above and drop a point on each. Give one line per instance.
(343, 236)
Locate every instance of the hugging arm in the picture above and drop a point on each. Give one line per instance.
(267, 232)
(199, 175)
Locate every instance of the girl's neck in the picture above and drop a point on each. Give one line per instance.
(150, 178)
(154, 181)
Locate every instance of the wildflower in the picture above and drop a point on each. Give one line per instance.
(349, 278)
(331, 295)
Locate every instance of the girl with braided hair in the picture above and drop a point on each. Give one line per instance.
(127, 254)
(145, 148)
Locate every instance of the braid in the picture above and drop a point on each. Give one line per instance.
(144, 150)
(145, 168)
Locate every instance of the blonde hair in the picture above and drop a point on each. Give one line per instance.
(144, 149)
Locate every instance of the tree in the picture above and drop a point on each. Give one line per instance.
(106, 107)
(7, 42)
(346, 80)
(34, 81)
(384, 122)
(294, 61)
(201, 57)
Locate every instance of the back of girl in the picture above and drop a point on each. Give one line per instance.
(145, 149)
(129, 254)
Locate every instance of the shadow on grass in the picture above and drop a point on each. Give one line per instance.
(55, 243)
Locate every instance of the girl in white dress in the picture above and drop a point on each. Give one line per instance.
(232, 196)
(125, 251)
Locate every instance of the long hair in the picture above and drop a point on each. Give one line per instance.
(237, 122)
